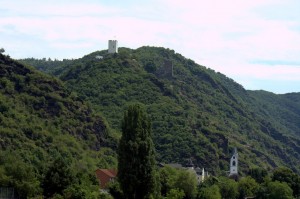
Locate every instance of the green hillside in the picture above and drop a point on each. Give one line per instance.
(284, 110)
(197, 114)
(54, 67)
(41, 121)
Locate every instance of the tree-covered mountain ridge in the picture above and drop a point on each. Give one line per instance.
(197, 114)
(41, 120)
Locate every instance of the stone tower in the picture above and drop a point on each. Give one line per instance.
(112, 46)
(234, 164)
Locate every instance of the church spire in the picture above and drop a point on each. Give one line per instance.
(234, 164)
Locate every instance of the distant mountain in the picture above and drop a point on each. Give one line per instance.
(197, 114)
(39, 118)
(54, 67)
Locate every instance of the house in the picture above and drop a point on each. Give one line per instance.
(99, 57)
(201, 174)
(105, 176)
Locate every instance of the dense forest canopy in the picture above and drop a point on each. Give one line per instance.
(42, 122)
(55, 131)
(197, 114)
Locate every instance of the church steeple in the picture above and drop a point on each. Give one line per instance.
(234, 164)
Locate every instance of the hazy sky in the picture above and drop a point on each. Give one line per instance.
(254, 42)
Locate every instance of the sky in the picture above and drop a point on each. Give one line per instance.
(254, 42)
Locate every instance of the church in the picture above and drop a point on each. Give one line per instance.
(233, 173)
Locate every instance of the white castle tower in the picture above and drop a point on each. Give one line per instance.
(112, 46)
(234, 164)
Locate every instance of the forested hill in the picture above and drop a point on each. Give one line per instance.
(197, 114)
(41, 121)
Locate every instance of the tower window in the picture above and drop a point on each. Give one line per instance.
(233, 163)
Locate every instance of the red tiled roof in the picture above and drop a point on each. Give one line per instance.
(105, 175)
(109, 172)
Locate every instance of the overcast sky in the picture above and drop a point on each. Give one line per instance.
(254, 42)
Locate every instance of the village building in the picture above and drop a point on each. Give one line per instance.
(99, 57)
(105, 176)
(200, 174)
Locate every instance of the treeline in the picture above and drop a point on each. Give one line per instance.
(197, 113)
(139, 177)
(49, 66)
(58, 177)
(48, 136)
(174, 183)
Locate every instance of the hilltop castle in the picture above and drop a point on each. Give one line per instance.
(112, 46)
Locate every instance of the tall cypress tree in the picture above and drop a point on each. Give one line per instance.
(136, 170)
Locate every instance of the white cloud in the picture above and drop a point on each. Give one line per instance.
(252, 38)
(224, 35)
(56, 8)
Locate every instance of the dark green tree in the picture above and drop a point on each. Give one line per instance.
(172, 179)
(258, 174)
(58, 177)
(136, 156)
(211, 192)
(15, 173)
(150, 67)
(168, 176)
(279, 190)
(247, 187)
(228, 188)
(175, 194)
(115, 190)
(187, 182)
(274, 190)
(287, 175)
